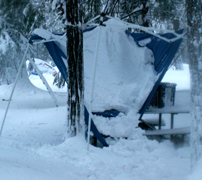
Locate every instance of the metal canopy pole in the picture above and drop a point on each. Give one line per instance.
(147, 30)
(93, 85)
(11, 95)
(44, 82)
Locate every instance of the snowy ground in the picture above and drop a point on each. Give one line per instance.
(34, 144)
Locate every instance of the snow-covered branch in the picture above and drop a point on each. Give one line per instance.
(134, 11)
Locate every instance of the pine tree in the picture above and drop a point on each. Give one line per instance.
(194, 22)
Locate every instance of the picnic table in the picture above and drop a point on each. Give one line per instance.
(172, 110)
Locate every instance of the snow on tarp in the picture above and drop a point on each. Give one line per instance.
(125, 74)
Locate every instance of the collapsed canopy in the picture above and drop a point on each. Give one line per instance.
(163, 53)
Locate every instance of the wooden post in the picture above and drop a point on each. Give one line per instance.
(160, 120)
(172, 121)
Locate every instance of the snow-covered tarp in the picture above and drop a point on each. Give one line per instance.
(129, 60)
(124, 74)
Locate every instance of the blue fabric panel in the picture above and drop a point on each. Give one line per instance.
(57, 56)
(89, 29)
(93, 128)
(160, 48)
(166, 64)
(164, 53)
(34, 37)
(107, 113)
(55, 52)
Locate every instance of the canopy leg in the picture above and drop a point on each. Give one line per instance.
(11, 95)
(90, 112)
(45, 82)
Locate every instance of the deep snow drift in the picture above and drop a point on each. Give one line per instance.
(34, 145)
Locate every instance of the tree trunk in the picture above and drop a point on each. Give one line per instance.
(75, 65)
(194, 48)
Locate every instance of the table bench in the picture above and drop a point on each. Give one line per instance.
(173, 110)
(154, 121)
(176, 131)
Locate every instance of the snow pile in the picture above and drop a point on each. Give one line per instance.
(135, 158)
(124, 125)
(196, 173)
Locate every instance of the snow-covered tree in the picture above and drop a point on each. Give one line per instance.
(165, 13)
(54, 16)
(17, 19)
(91, 8)
(134, 11)
(194, 32)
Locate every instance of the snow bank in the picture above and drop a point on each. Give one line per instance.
(133, 158)
(196, 172)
